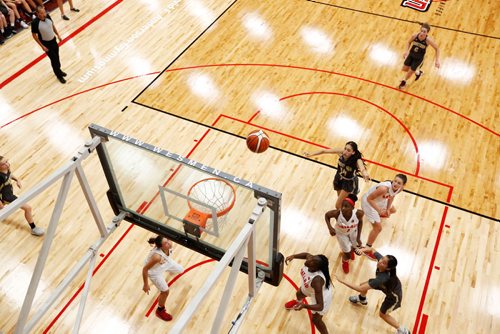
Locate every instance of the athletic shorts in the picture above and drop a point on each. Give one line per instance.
(327, 300)
(413, 62)
(159, 281)
(348, 185)
(6, 196)
(370, 213)
(5, 11)
(390, 304)
(347, 241)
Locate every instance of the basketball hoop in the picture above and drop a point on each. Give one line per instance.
(213, 193)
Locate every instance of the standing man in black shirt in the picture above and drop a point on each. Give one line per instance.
(414, 56)
(44, 33)
(386, 281)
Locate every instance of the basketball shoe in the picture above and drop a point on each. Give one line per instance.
(357, 300)
(163, 315)
(417, 76)
(402, 84)
(345, 266)
(38, 231)
(370, 255)
(402, 330)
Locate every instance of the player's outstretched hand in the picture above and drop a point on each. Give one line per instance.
(288, 259)
(298, 307)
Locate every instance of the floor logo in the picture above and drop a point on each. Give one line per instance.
(420, 5)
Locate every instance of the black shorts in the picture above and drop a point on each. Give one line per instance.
(5, 11)
(390, 304)
(7, 196)
(413, 62)
(348, 185)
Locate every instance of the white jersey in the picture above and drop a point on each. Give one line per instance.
(307, 278)
(166, 263)
(382, 200)
(308, 290)
(344, 226)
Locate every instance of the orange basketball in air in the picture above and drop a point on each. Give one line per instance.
(257, 141)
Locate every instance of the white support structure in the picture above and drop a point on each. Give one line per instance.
(235, 253)
(66, 173)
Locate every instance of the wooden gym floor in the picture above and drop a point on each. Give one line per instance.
(194, 77)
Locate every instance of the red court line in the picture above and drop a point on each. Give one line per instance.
(424, 324)
(431, 266)
(343, 75)
(73, 95)
(406, 129)
(70, 36)
(173, 280)
(77, 292)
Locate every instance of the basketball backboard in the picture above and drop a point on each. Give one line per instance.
(158, 188)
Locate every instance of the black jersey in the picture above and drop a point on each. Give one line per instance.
(347, 169)
(5, 186)
(383, 281)
(418, 47)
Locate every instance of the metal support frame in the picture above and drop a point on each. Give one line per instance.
(235, 253)
(66, 172)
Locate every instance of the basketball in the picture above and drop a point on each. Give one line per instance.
(257, 141)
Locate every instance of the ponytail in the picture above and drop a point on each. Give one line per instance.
(156, 241)
(353, 159)
(325, 270)
(391, 266)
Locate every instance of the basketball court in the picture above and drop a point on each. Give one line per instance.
(173, 88)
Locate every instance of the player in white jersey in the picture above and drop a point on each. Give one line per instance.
(158, 262)
(316, 284)
(347, 228)
(377, 204)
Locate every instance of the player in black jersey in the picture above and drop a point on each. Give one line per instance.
(7, 195)
(349, 165)
(414, 56)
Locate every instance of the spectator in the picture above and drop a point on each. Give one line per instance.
(3, 26)
(7, 12)
(13, 6)
(71, 7)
